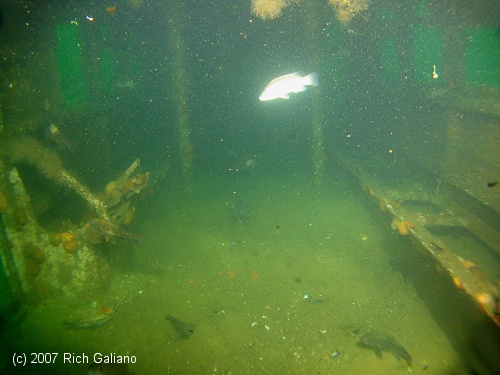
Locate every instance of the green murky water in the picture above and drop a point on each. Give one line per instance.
(242, 284)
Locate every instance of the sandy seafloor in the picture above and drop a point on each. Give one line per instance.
(242, 284)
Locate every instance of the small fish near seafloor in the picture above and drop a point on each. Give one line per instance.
(109, 369)
(382, 342)
(238, 211)
(282, 86)
(98, 228)
(93, 321)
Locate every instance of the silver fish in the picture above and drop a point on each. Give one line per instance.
(282, 86)
(125, 83)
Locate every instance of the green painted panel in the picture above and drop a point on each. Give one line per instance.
(108, 70)
(427, 52)
(483, 57)
(74, 88)
(6, 296)
(134, 44)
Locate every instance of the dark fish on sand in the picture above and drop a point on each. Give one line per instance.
(93, 321)
(382, 342)
(108, 369)
(183, 330)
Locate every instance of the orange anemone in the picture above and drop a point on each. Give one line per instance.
(468, 265)
(486, 302)
(66, 237)
(403, 227)
(382, 204)
(71, 246)
(55, 239)
(458, 283)
(106, 310)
